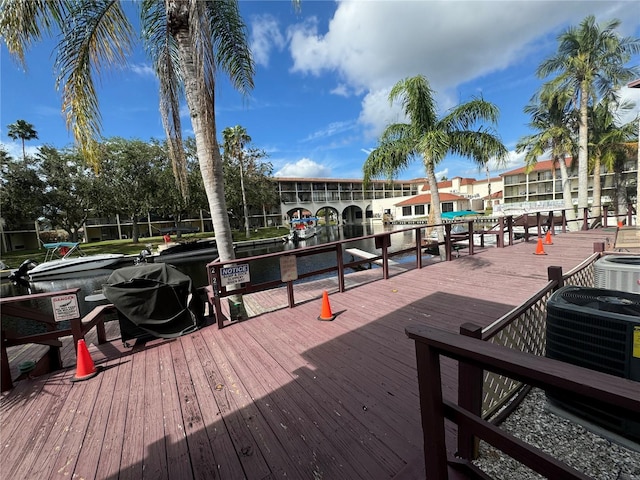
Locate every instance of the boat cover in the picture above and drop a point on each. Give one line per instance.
(157, 298)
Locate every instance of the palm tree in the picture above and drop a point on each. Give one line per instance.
(189, 42)
(590, 62)
(555, 134)
(608, 143)
(22, 130)
(235, 139)
(431, 138)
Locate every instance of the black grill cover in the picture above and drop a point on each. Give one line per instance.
(157, 298)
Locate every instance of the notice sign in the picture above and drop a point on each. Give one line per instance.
(235, 274)
(288, 268)
(65, 307)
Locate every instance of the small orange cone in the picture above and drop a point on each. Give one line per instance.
(85, 369)
(547, 238)
(325, 313)
(539, 248)
(620, 224)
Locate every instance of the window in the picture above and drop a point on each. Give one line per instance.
(419, 210)
(447, 207)
(406, 211)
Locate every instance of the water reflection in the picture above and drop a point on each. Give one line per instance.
(261, 271)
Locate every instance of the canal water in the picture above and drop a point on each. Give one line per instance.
(91, 282)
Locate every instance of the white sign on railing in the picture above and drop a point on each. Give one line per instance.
(235, 274)
(65, 307)
(288, 268)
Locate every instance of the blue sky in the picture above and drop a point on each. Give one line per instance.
(323, 75)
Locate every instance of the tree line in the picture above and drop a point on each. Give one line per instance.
(58, 187)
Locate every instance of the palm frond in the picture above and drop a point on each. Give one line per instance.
(468, 114)
(416, 98)
(95, 36)
(231, 45)
(162, 49)
(387, 160)
(23, 22)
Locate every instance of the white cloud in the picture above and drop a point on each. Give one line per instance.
(442, 173)
(142, 70)
(304, 168)
(341, 90)
(370, 45)
(265, 35)
(14, 149)
(377, 113)
(330, 130)
(630, 95)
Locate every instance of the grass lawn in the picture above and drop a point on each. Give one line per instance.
(14, 259)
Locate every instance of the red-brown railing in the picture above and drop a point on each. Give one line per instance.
(548, 374)
(23, 308)
(503, 228)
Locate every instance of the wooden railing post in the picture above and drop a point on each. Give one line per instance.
(598, 247)
(470, 381)
(554, 274)
(447, 241)
(340, 262)
(539, 223)
(418, 247)
(585, 218)
(564, 221)
(5, 369)
(510, 228)
(605, 216)
(470, 230)
(431, 411)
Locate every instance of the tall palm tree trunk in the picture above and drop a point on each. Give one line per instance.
(570, 212)
(244, 200)
(201, 105)
(597, 192)
(583, 150)
(435, 205)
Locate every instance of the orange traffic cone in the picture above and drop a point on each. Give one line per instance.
(325, 313)
(620, 224)
(85, 368)
(547, 238)
(539, 248)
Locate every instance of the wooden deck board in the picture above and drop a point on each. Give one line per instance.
(281, 394)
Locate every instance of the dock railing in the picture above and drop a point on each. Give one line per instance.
(29, 307)
(503, 230)
(551, 375)
(490, 394)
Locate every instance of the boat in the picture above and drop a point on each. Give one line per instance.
(64, 258)
(302, 228)
(189, 249)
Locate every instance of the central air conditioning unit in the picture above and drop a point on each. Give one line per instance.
(595, 328)
(618, 272)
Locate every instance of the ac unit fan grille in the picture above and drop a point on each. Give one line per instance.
(597, 344)
(593, 328)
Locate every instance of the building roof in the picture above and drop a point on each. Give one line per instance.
(538, 167)
(425, 198)
(463, 181)
(634, 84)
(344, 180)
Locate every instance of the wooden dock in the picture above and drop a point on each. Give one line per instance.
(280, 394)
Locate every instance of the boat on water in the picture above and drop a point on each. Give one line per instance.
(302, 228)
(65, 258)
(183, 250)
